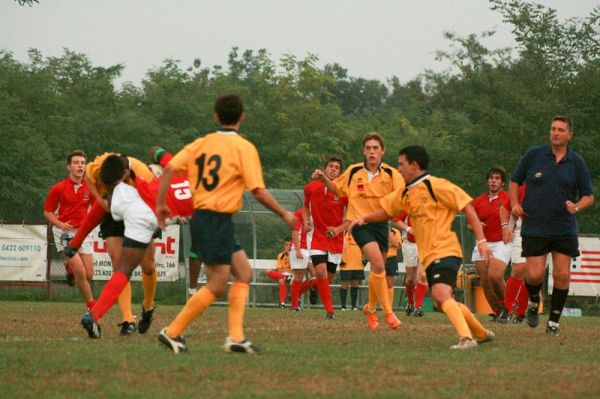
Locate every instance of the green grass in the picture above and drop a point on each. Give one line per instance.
(45, 353)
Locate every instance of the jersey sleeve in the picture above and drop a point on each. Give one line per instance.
(251, 168)
(392, 203)
(180, 161)
(397, 180)
(341, 184)
(307, 195)
(520, 172)
(298, 215)
(451, 195)
(52, 199)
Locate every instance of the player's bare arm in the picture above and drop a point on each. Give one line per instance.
(377, 216)
(473, 220)
(318, 174)
(507, 230)
(265, 198)
(584, 202)
(513, 193)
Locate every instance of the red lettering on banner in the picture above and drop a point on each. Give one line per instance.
(100, 247)
(167, 246)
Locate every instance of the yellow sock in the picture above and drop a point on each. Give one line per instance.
(380, 286)
(372, 305)
(194, 307)
(149, 283)
(237, 306)
(125, 303)
(391, 297)
(475, 326)
(455, 315)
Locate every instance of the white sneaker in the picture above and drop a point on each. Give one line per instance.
(465, 344)
(177, 344)
(243, 346)
(192, 291)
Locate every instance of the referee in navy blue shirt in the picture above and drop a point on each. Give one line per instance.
(558, 185)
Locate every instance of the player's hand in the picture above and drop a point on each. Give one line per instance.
(571, 207)
(318, 174)
(69, 251)
(306, 225)
(517, 211)
(332, 232)
(507, 234)
(484, 251)
(161, 214)
(357, 222)
(153, 150)
(290, 220)
(299, 254)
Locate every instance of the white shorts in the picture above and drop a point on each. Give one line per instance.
(516, 245)
(332, 257)
(86, 245)
(410, 255)
(299, 264)
(127, 205)
(499, 250)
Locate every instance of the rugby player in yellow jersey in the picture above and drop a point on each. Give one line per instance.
(112, 232)
(365, 184)
(431, 204)
(220, 166)
(351, 271)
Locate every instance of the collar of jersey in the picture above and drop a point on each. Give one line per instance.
(369, 170)
(418, 180)
(227, 130)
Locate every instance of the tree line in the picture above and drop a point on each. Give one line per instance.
(485, 110)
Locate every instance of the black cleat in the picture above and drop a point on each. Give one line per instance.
(176, 345)
(519, 319)
(127, 328)
(504, 317)
(297, 310)
(532, 316)
(409, 309)
(418, 312)
(282, 305)
(146, 320)
(243, 346)
(552, 328)
(92, 328)
(330, 316)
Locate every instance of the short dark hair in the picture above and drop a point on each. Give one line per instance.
(416, 153)
(334, 158)
(497, 170)
(565, 119)
(75, 153)
(229, 108)
(373, 136)
(112, 169)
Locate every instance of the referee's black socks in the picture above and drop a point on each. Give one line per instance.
(559, 297)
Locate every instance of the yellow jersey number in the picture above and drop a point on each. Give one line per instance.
(212, 166)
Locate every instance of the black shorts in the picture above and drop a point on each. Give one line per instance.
(391, 266)
(111, 228)
(318, 259)
(538, 246)
(213, 237)
(378, 232)
(347, 275)
(443, 271)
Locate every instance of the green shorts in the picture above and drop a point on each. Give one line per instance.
(213, 237)
(378, 232)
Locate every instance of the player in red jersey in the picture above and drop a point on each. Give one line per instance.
(487, 206)
(300, 262)
(65, 207)
(325, 212)
(135, 206)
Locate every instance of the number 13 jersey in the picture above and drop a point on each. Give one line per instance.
(219, 166)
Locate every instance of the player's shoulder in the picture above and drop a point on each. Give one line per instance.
(388, 169)
(314, 185)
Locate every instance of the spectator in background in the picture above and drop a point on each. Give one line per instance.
(282, 274)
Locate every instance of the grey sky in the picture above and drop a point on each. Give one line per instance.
(372, 39)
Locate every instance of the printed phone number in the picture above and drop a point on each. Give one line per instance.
(21, 247)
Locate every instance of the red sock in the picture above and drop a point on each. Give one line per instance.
(410, 293)
(89, 222)
(90, 304)
(306, 285)
(522, 299)
(510, 294)
(325, 294)
(420, 295)
(275, 275)
(282, 293)
(295, 287)
(110, 294)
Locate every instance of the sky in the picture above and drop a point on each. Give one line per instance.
(375, 39)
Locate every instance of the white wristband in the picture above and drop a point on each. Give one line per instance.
(480, 241)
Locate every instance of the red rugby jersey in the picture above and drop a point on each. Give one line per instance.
(72, 201)
(488, 211)
(179, 195)
(403, 217)
(298, 228)
(326, 210)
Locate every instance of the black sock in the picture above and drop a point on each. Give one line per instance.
(354, 296)
(534, 292)
(343, 294)
(559, 297)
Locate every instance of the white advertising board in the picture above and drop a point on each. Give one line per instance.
(585, 269)
(23, 252)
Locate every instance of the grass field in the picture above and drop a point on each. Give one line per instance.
(44, 353)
